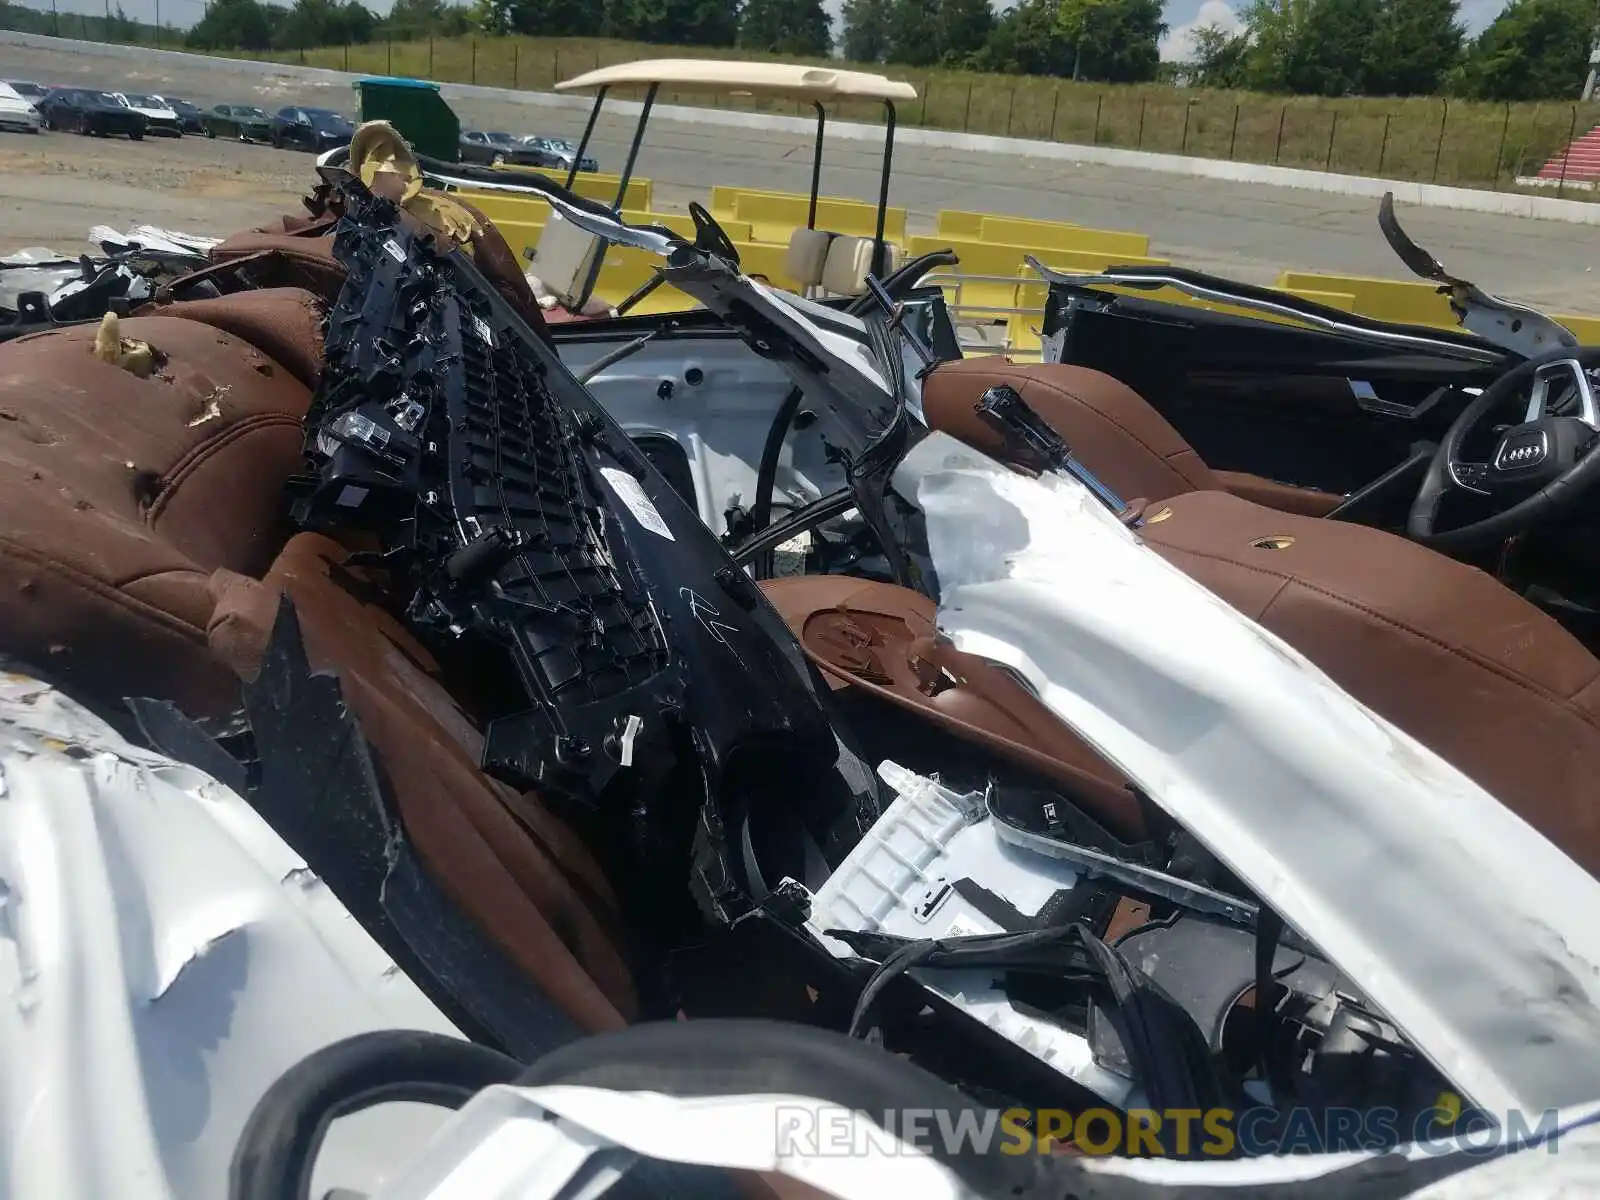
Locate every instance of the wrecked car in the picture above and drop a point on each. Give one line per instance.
(999, 774)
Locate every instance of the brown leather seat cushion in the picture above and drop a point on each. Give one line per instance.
(1446, 652)
(1108, 425)
(883, 639)
(285, 324)
(511, 866)
(123, 494)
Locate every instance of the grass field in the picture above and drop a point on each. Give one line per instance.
(1430, 140)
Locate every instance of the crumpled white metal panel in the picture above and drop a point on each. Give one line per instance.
(1469, 928)
(164, 957)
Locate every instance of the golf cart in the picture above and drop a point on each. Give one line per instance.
(567, 262)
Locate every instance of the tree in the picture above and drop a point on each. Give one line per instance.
(1029, 40)
(231, 25)
(1534, 50)
(1414, 48)
(1327, 54)
(672, 22)
(1347, 47)
(410, 19)
(1115, 41)
(538, 18)
(786, 27)
(323, 23)
(925, 33)
(865, 36)
(1219, 58)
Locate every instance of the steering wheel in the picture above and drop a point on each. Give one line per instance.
(709, 236)
(1539, 467)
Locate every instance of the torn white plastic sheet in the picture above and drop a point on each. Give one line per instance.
(1471, 930)
(164, 957)
(35, 269)
(153, 238)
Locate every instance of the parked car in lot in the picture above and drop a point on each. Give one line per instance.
(91, 113)
(28, 90)
(559, 152)
(495, 148)
(314, 129)
(158, 117)
(243, 121)
(17, 112)
(188, 113)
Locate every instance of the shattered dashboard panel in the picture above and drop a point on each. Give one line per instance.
(512, 510)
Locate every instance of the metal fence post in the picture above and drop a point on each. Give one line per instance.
(347, 55)
(1011, 104)
(1140, 143)
(1438, 146)
(927, 86)
(1099, 101)
(430, 56)
(1572, 134)
(516, 64)
(1277, 146)
(1333, 128)
(1383, 146)
(1183, 143)
(1500, 154)
(1233, 137)
(966, 113)
(388, 57)
(474, 60)
(1055, 108)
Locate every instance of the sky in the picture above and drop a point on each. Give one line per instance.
(1183, 16)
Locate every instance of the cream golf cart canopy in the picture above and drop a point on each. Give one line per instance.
(790, 80)
(569, 260)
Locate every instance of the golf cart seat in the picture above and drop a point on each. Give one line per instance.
(1109, 426)
(144, 554)
(1443, 650)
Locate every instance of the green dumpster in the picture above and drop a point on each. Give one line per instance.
(417, 110)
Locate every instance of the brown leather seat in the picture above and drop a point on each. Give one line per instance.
(505, 860)
(883, 639)
(1108, 425)
(123, 494)
(1445, 651)
(143, 552)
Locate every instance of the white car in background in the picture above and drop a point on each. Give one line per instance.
(16, 111)
(154, 109)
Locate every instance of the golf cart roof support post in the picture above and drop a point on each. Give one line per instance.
(879, 258)
(588, 133)
(816, 164)
(638, 140)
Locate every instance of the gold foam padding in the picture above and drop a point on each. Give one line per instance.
(377, 148)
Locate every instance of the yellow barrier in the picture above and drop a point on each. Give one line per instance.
(1585, 329)
(495, 203)
(775, 215)
(1006, 262)
(592, 184)
(1017, 231)
(954, 223)
(1410, 302)
(737, 231)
